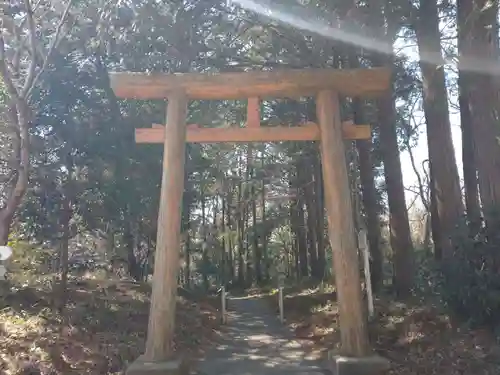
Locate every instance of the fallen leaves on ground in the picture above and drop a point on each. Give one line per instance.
(103, 328)
(418, 340)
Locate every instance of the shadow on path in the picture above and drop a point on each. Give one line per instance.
(256, 343)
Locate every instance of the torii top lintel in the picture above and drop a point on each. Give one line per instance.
(242, 85)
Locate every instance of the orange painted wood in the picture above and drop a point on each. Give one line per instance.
(307, 132)
(253, 113)
(218, 135)
(189, 126)
(241, 85)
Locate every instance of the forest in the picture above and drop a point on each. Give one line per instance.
(79, 198)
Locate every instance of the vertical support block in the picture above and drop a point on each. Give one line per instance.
(353, 327)
(253, 113)
(162, 314)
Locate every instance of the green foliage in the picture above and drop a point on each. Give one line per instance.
(471, 283)
(83, 136)
(29, 264)
(27, 257)
(428, 278)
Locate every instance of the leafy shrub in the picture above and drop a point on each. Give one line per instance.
(428, 278)
(471, 277)
(27, 257)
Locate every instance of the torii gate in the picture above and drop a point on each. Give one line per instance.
(325, 85)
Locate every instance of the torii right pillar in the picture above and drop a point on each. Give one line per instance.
(355, 356)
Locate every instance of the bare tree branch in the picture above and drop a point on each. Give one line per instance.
(22, 153)
(53, 45)
(4, 71)
(32, 47)
(9, 24)
(15, 30)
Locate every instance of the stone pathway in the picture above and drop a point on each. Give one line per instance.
(256, 343)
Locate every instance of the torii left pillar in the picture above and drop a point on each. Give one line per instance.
(159, 355)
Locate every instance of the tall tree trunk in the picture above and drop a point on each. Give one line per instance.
(308, 196)
(239, 230)
(295, 250)
(4, 229)
(229, 242)
(241, 252)
(109, 243)
(204, 250)
(369, 197)
(468, 158)
(248, 253)
(479, 51)
(401, 243)
(140, 244)
(134, 268)
(320, 214)
(256, 247)
(302, 239)
(298, 228)
(68, 197)
(265, 254)
(443, 168)
(187, 254)
(248, 186)
(66, 213)
(222, 230)
(19, 114)
(464, 10)
(218, 253)
(436, 234)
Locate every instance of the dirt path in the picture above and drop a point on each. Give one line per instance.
(256, 343)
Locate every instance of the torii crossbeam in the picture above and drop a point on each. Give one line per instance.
(177, 89)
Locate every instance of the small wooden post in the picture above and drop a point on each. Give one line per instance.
(280, 303)
(223, 304)
(353, 328)
(253, 113)
(162, 312)
(363, 246)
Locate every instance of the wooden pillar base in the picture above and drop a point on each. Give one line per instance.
(353, 326)
(161, 328)
(370, 365)
(144, 367)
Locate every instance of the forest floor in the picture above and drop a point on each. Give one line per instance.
(418, 340)
(102, 329)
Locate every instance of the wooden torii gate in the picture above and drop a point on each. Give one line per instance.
(177, 89)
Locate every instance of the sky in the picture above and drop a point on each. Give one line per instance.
(420, 154)
(348, 31)
(420, 151)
